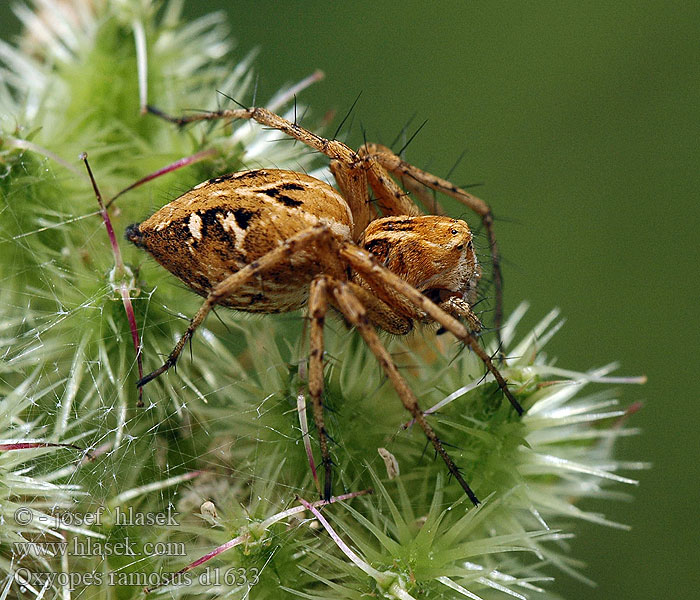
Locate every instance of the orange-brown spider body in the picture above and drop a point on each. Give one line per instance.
(224, 224)
(272, 241)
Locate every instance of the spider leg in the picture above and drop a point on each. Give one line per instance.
(396, 165)
(369, 267)
(393, 200)
(356, 314)
(352, 181)
(426, 196)
(234, 281)
(318, 306)
(331, 148)
(378, 313)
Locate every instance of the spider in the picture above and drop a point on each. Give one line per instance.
(271, 241)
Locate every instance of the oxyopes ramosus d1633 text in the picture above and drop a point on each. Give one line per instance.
(271, 241)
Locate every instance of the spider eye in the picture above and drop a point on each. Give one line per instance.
(460, 247)
(454, 232)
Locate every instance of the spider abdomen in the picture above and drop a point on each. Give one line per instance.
(223, 224)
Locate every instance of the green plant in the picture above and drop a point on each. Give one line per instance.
(221, 442)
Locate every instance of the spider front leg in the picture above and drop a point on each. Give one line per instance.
(344, 296)
(346, 164)
(231, 283)
(370, 268)
(378, 312)
(356, 315)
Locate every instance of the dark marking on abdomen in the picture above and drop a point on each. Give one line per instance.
(222, 178)
(277, 194)
(291, 186)
(243, 216)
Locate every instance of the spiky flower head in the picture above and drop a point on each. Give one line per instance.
(220, 446)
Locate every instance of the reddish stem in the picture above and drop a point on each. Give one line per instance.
(303, 424)
(131, 316)
(120, 271)
(29, 445)
(178, 164)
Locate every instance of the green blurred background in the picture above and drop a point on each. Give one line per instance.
(582, 121)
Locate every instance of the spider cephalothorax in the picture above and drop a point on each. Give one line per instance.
(270, 240)
(434, 254)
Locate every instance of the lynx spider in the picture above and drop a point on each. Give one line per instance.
(272, 241)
